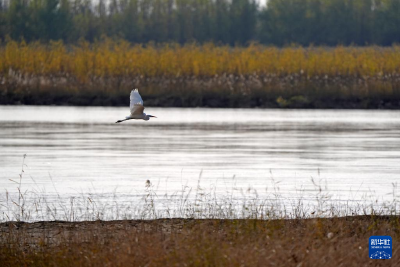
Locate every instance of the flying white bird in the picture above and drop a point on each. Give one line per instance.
(136, 108)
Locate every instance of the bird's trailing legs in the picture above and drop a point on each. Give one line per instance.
(121, 120)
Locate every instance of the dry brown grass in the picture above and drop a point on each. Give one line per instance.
(178, 242)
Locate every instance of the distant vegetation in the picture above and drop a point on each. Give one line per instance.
(188, 53)
(280, 22)
(104, 72)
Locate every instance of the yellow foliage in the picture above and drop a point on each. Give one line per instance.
(108, 58)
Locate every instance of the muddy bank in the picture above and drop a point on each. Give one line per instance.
(186, 242)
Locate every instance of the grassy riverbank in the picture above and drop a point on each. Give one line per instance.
(188, 242)
(103, 73)
(195, 227)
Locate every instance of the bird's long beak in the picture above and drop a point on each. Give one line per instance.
(152, 116)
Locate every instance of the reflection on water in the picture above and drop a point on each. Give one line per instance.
(83, 150)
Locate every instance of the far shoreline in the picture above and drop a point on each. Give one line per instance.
(122, 100)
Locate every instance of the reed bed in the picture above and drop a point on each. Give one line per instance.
(199, 75)
(119, 58)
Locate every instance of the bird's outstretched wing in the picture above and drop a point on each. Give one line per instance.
(136, 105)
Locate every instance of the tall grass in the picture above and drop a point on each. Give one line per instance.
(194, 74)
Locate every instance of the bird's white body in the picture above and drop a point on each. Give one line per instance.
(136, 108)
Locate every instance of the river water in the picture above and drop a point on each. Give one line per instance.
(80, 150)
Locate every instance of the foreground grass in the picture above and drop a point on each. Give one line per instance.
(341, 241)
(204, 229)
(170, 75)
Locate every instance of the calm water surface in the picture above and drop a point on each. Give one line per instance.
(78, 150)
